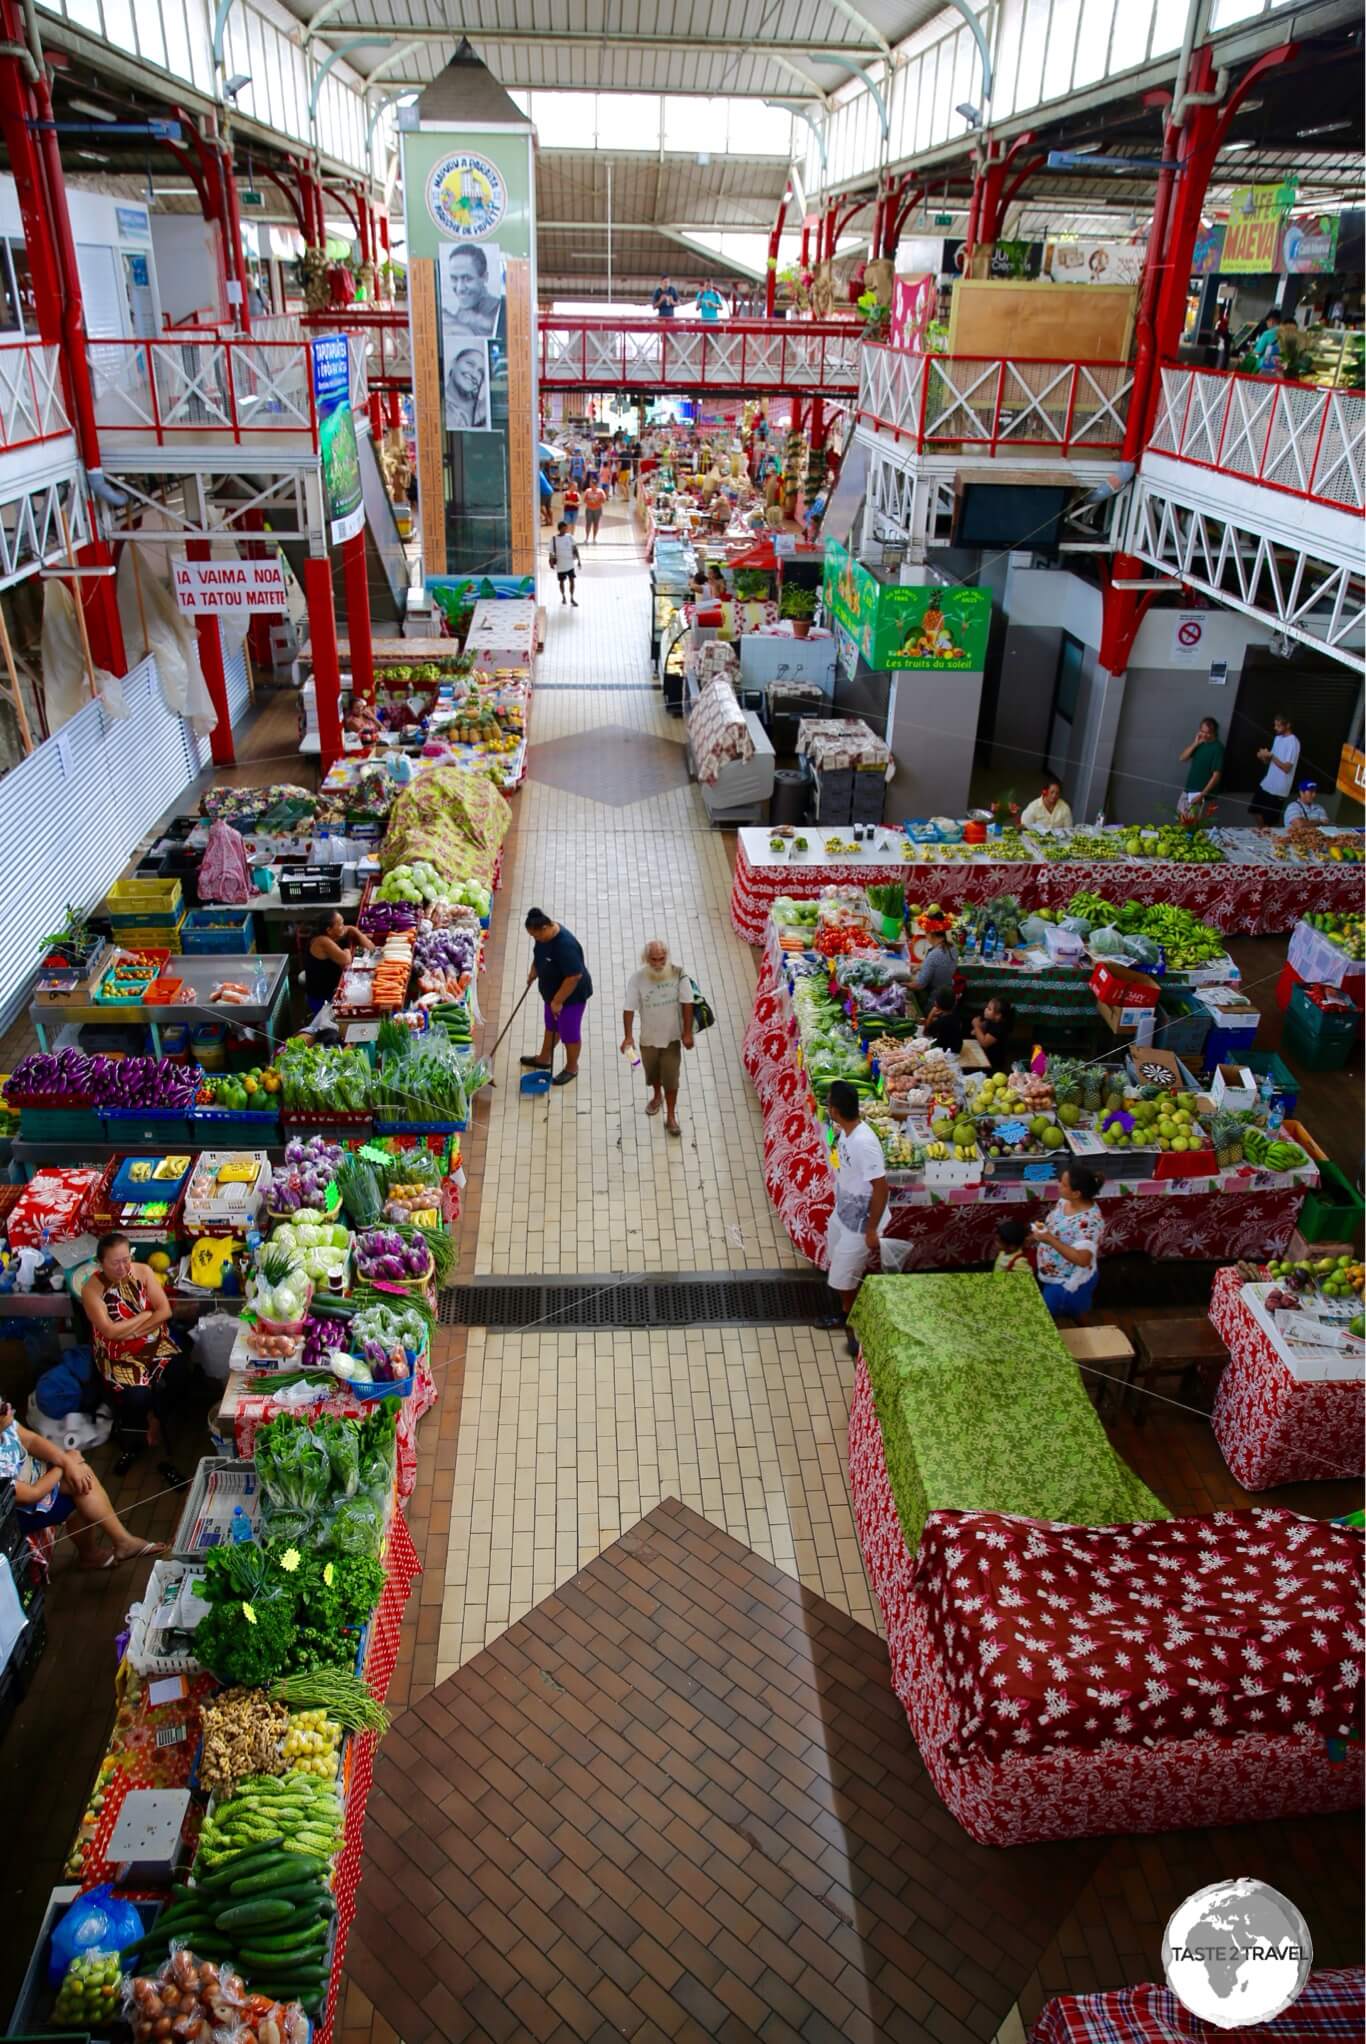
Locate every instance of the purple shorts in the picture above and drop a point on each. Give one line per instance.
(568, 1025)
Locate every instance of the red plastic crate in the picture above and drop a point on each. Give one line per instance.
(1286, 985)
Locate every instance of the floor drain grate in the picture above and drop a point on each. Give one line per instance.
(691, 1299)
(599, 688)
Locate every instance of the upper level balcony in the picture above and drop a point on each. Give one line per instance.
(961, 406)
(764, 357)
(1295, 438)
(212, 399)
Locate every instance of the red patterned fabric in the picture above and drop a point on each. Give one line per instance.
(1243, 900)
(1073, 1792)
(1271, 1427)
(1057, 1636)
(1333, 2004)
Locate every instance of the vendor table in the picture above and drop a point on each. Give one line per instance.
(1243, 1212)
(199, 972)
(1333, 2005)
(1278, 1418)
(1240, 896)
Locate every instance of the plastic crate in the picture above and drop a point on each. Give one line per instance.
(1333, 1212)
(163, 992)
(140, 1192)
(219, 1484)
(1316, 1053)
(183, 865)
(1321, 1024)
(221, 1124)
(142, 1657)
(138, 1125)
(1182, 1026)
(138, 898)
(132, 933)
(1266, 1064)
(311, 883)
(218, 930)
(30, 1645)
(60, 1125)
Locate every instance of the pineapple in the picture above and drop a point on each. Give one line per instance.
(1226, 1134)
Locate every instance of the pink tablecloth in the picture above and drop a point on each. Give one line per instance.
(1070, 1792)
(1243, 1221)
(1244, 900)
(1333, 2005)
(1271, 1427)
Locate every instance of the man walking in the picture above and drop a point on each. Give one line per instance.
(594, 497)
(561, 973)
(564, 559)
(665, 300)
(661, 995)
(1280, 759)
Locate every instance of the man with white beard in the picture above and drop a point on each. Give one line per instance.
(662, 995)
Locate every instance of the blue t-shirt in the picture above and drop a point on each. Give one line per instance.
(709, 304)
(555, 961)
(664, 301)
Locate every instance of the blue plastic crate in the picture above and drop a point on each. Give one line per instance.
(218, 930)
(144, 1191)
(223, 1120)
(427, 1128)
(143, 1125)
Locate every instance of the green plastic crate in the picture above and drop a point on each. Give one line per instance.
(1321, 1025)
(1316, 1053)
(1333, 1212)
(60, 1125)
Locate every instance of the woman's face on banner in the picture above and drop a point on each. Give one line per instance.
(469, 375)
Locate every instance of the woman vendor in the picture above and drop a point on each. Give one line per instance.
(129, 1317)
(53, 1484)
(1068, 1244)
(991, 1032)
(328, 956)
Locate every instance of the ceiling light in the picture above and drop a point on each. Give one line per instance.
(1250, 106)
(1229, 147)
(1323, 128)
(96, 113)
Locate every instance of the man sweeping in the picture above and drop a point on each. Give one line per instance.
(561, 973)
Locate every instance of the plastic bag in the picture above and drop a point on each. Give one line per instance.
(1106, 942)
(1080, 926)
(1034, 932)
(98, 1921)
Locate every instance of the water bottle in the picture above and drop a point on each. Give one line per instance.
(990, 943)
(1275, 1117)
(260, 986)
(1100, 820)
(253, 1241)
(239, 1529)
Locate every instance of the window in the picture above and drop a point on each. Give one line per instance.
(565, 120)
(11, 315)
(626, 120)
(1093, 44)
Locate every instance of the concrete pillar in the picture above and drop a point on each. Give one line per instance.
(1100, 728)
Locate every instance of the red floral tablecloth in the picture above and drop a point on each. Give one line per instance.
(1243, 900)
(959, 1229)
(1161, 1785)
(1333, 2004)
(1272, 1427)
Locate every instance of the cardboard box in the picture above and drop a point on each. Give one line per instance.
(1233, 1087)
(1136, 1022)
(1121, 987)
(1161, 1068)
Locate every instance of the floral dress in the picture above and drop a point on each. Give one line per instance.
(1080, 1229)
(136, 1364)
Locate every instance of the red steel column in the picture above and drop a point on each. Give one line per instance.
(358, 616)
(322, 637)
(211, 660)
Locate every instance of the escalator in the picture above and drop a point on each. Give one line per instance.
(386, 564)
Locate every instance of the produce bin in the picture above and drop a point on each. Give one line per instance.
(223, 1124)
(311, 883)
(1321, 1025)
(137, 899)
(1228, 1044)
(31, 2016)
(60, 1125)
(1266, 1064)
(218, 930)
(133, 1126)
(183, 864)
(1334, 1211)
(1182, 1026)
(132, 932)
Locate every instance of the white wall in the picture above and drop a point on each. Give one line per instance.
(98, 223)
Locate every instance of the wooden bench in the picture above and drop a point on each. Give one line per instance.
(1105, 1356)
(1184, 1347)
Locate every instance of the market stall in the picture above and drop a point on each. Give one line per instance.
(976, 1463)
(156, 990)
(1332, 2005)
(1246, 890)
(821, 1013)
(1291, 1403)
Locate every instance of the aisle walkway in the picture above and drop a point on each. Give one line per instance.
(567, 1439)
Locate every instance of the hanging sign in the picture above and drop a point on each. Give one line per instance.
(903, 628)
(1310, 247)
(337, 437)
(1207, 255)
(1252, 238)
(1093, 262)
(1188, 647)
(229, 585)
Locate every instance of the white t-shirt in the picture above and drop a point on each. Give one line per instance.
(562, 553)
(655, 1005)
(861, 1162)
(1279, 777)
(1300, 811)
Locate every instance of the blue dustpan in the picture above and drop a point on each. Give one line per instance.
(534, 1082)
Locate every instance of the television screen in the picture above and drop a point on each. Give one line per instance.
(1010, 515)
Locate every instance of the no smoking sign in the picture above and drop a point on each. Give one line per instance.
(1188, 638)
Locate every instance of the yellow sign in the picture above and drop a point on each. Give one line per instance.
(1352, 774)
(1252, 238)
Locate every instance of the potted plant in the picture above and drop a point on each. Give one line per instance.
(752, 585)
(888, 902)
(798, 603)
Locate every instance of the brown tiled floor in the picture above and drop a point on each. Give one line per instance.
(679, 1799)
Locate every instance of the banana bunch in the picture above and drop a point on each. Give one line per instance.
(1272, 1153)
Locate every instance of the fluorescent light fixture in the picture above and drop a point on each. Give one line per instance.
(1229, 147)
(102, 113)
(1323, 128)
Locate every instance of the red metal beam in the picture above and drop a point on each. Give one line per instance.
(771, 269)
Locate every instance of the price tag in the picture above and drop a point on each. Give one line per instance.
(173, 1735)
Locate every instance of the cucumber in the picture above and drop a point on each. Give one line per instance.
(290, 1944)
(265, 1881)
(260, 1909)
(241, 1864)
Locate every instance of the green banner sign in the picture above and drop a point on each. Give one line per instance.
(902, 628)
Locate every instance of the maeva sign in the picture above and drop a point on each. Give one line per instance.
(229, 585)
(337, 437)
(900, 628)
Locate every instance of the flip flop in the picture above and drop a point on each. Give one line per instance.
(95, 1568)
(653, 1106)
(671, 1128)
(139, 1553)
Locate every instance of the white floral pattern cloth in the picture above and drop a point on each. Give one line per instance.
(1080, 1230)
(717, 731)
(833, 743)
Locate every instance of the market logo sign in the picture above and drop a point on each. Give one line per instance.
(466, 195)
(1310, 246)
(901, 629)
(1252, 238)
(1237, 1953)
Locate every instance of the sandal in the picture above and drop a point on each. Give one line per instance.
(671, 1128)
(653, 1106)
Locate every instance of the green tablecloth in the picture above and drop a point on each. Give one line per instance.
(981, 1407)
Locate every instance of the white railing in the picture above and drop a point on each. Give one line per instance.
(229, 388)
(821, 357)
(32, 407)
(1292, 437)
(944, 403)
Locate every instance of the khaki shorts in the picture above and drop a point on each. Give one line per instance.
(662, 1064)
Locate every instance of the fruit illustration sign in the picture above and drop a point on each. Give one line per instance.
(901, 629)
(466, 195)
(337, 436)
